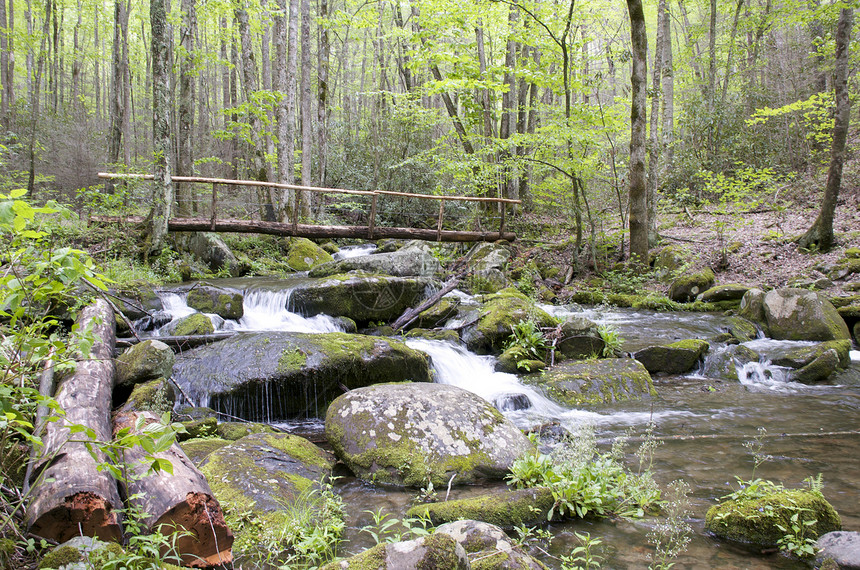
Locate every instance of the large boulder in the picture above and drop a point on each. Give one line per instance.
(211, 250)
(507, 509)
(499, 313)
(154, 396)
(433, 552)
(226, 303)
(488, 547)
(818, 370)
(579, 339)
(409, 434)
(279, 375)
(414, 259)
(438, 314)
(752, 307)
(303, 254)
(487, 262)
(741, 520)
(800, 356)
(727, 292)
(685, 288)
(361, 297)
(192, 325)
(144, 361)
(799, 314)
(675, 358)
(669, 261)
(606, 380)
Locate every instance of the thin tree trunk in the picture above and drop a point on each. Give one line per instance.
(162, 187)
(117, 106)
(668, 84)
(307, 106)
(655, 140)
(34, 103)
(637, 195)
(76, 63)
(323, 92)
(187, 31)
(821, 232)
(5, 78)
(283, 119)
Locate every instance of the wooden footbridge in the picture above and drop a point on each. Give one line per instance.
(364, 206)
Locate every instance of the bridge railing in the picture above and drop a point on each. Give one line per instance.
(220, 204)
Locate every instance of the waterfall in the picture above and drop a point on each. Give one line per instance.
(348, 251)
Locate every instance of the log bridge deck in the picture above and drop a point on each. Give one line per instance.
(293, 228)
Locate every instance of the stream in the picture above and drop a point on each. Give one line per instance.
(701, 423)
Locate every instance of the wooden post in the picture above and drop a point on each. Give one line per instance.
(214, 204)
(371, 223)
(439, 225)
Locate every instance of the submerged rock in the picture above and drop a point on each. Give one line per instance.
(362, 297)
(506, 509)
(225, 303)
(415, 259)
(798, 314)
(755, 520)
(606, 380)
(488, 547)
(437, 551)
(499, 313)
(675, 358)
(409, 434)
(282, 375)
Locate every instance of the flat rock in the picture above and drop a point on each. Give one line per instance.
(605, 380)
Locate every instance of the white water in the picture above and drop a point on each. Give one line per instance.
(348, 251)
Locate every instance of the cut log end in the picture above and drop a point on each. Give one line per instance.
(81, 514)
(204, 540)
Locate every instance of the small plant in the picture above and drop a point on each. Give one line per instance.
(582, 557)
(387, 528)
(671, 536)
(527, 336)
(612, 341)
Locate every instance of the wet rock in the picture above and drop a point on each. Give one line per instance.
(438, 314)
(606, 380)
(196, 324)
(842, 547)
(741, 329)
(500, 312)
(211, 250)
(744, 520)
(800, 356)
(724, 363)
(303, 254)
(487, 262)
(798, 314)
(225, 303)
(237, 430)
(203, 427)
(579, 339)
(512, 402)
(144, 361)
(359, 296)
(488, 547)
(675, 358)
(516, 360)
(281, 375)
(857, 332)
(436, 551)
(818, 370)
(412, 260)
(446, 335)
(687, 287)
(138, 300)
(727, 292)
(506, 509)
(154, 396)
(409, 434)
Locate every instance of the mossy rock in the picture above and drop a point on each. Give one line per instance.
(499, 313)
(155, 396)
(206, 427)
(507, 509)
(669, 260)
(726, 292)
(189, 413)
(754, 521)
(83, 552)
(852, 253)
(433, 552)
(145, 361)
(844, 301)
(675, 358)
(137, 299)
(303, 254)
(198, 449)
(857, 332)
(844, 268)
(237, 430)
(225, 303)
(752, 307)
(297, 374)
(61, 556)
(818, 370)
(409, 434)
(488, 547)
(686, 288)
(725, 362)
(798, 357)
(330, 247)
(415, 259)
(849, 311)
(447, 335)
(798, 314)
(508, 360)
(576, 383)
(741, 329)
(196, 324)
(579, 339)
(438, 314)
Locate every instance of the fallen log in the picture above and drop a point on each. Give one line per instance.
(180, 502)
(70, 495)
(412, 313)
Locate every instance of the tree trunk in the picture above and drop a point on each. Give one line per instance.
(70, 495)
(821, 232)
(187, 31)
(668, 84)
(4, 69)
(637, 194)
(117, 107)
(307, 106)
(34, 104)
(285, 123)
(323, 93)
(162, 187)
(655, 139)
(181, 501)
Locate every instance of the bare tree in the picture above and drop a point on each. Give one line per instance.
(187, 101)
(639, 85)
(162, 185)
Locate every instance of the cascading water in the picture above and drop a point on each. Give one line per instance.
(348, 251)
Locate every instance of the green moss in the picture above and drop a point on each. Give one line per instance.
(507, 510)
(754, 521)
(7, 550)
(304, 254)
(153, 396)
(60, 557)
(198, 449)
(694, 344)
(601, 381)
(291, 360)
(237, 430)
(299, 448)
(852, 253)
(211, 300)
(205, 427)
(196, 324)
(370, 559)
(107, 552)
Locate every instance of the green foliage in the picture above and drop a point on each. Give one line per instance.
(612, 340)
(526, 335)
(582, 557)
(671, 535)
(388, 529)
(814, 116)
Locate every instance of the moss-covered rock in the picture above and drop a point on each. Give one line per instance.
(438, 314)
(741, 329)
(433, 552)
(499, 313)
(798, 314)
(204, 427)
(225, 303)
(852, 253)
(303, 254)
(724, 362)
(196, 324)
(198, 449)
(237, 430)
(726, 292)
(507, 509)
(579, 339)
(581, 382)
(153, 396)
(670, 260)
(754, 521)
(447, 335)
(137, 300)
(76, 552)
(415, 259)
(61, 556)
(296, 374)
(675, 358)
(842, 548)
(488, 547)
(211, 250)
(844, 268)
(800, 356)
(362, 297)
(688, 286)
(409, 434)
(818, 370)
(145, 361)
(752, 307)
(857, 332)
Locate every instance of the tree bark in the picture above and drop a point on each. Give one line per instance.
(656, 141)
(5, 77)
(668, 85)
(323, 93)
(71, 496)
(307, 106)
(285, 122)
(637, 195)
(821, 232)
(184, 166)
(117, 104)
(162, 187)
(35, 100)
(181, 501)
